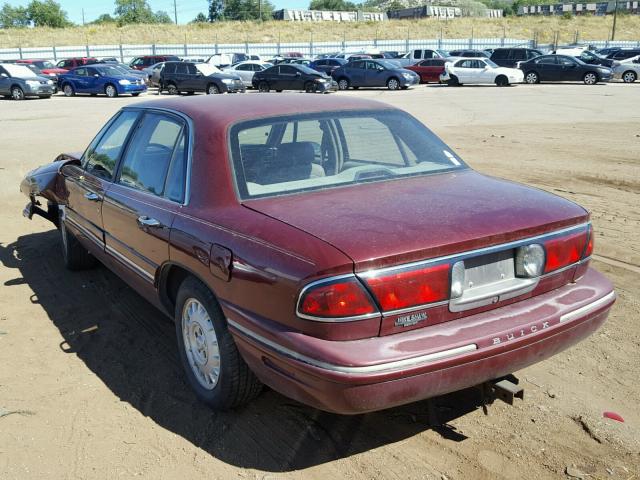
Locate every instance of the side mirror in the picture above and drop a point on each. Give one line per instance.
(96, 75)
(298, 74)
(3, 75)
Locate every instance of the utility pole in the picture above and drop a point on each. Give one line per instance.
(83, 16)
(260, 9)
(615, 18)
(175, 11)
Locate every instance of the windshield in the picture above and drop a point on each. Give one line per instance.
(278, 156)
(491, 63)
(19, 71)
(207, 69)
(44, 64)
(109, 71)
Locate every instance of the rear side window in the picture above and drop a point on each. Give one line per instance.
(500, 54)
(150, 153)
(101, 157)
(182, 68)
(518, 54)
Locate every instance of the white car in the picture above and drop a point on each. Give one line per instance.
(479, 70)
(246, 70)
(627, 72)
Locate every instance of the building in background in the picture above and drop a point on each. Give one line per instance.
(599, 8)
(440, 11)
(328, 16)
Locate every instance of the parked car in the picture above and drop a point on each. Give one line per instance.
(469, 53)
(624, 53)
(374, 73)
(144, 61)
(246, 70)
(189, 77)
(221, 60)
(327, 65)
(414, 56)
(604, 52)
(126, 69)
(509, 57)
(100, 79)
(267, 228)
(594, 59)
(479, 70)
(429, 70)
(292, 77)
(19, 81)
(627, 72)
(70, 63)
(563, 68)
(153, 74)
(47, 68)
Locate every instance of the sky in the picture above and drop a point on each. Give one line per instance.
(187, 9)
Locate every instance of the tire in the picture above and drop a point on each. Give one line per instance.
(212, 89)
(135, 94)
(263, 87)
(172, 89)
(590, 78)
(310, 87)
(502, 81)
(74, 255)
(202, 334)
(393, 84)
(279, 91)
(68, 90)
(17, 93)
(531, 78)
(629, 76)
(45, 96)
(110, 90)
(453, 81)
(343, 84)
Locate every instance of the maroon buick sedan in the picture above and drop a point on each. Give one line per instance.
(331, 248)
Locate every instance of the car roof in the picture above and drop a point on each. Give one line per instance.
(220, 111)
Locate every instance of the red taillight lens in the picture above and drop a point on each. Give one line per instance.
(589, 250)
(339, 299)
(411, 288)
(565, 250)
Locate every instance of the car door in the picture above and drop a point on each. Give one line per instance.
(462, 70)
(140, 206)
(548, 68)
(181, 77)
(486, 73)
(194, 80)
(93, 81)
(287, 79)
(374, 75)
(569, 69)
(78, 78)
(86, 184)
(5, 82)
(356, 73)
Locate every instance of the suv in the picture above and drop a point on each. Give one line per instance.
(19, 82)
(69, 63)
(624, 53)
(177, 77)
(509, 57)
(140, 63)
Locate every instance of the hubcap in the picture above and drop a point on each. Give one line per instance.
(532, 78)
(17, 94)
(67, 90)
(172, 89)
(213, 90)
(343, 84)
(590, 78)
(393, 84)
(110, 91)
(629, 77)
(200, 343)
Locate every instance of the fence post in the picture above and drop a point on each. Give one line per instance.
(406, 42)
(121, 52)
(185, 45)
(55, 54)
(20, 51)
(87, 49)
(153, 48)
(311, 46)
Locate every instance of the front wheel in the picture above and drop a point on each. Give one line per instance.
(213, 366)
(212, 89)
(310, 87)
(135, 94)
(17, 93)
(263, 87)
(453, 81)
(74, 255)
(393, 84)
(68, 90)
(502, 81)
(343, 84)
(590, 78)
(172, 89)
(110, 91)
(531, 78)
(629, 76)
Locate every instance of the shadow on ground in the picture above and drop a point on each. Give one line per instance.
(130, 346)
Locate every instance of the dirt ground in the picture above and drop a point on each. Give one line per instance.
(90, 384)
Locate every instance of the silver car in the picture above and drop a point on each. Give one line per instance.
(19, 82)
(627, 72)
(246, 70)
(153, 74)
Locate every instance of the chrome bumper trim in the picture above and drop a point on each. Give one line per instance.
(567, 317)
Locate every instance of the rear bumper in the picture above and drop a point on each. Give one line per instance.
(358, 376)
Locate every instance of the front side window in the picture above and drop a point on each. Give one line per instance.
(81, 72)
(101, 157)
(319, 151)
(150, 153)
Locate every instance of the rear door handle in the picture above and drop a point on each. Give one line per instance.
(92, 197)
(144, 221)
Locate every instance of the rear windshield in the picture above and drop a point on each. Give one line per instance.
(300, 153)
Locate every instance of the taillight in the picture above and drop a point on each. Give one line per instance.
(565, 250)
(341, 298)
(589, 250)
(411, 287)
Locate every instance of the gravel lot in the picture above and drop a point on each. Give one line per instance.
(90, 384)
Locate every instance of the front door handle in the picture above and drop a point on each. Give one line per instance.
(144, 221)
(91, 196)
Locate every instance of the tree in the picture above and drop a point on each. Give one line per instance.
(216, 10)
(47, 13)
(104, 18)
(333, 5)
(161, 17)
(248, 10)
(138, 11)
(200, 18)
(13, 17)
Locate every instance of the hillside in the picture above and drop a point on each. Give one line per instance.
(588, 28)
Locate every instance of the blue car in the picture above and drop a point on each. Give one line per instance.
(96, 79)
(374, 73)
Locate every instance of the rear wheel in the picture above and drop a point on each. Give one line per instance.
(135, 94)
(393, 84)
(172, 89)
(453, 81)
(310, 87)
(502, 81)
(110, 91)
(629, 76)
(212, 89)
(590, 78)
(343, 84)
(74, 255)
(17, 93)
(531, 78)
(213, 366)
(263, 87)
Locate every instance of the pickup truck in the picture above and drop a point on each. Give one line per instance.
(414, 56)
